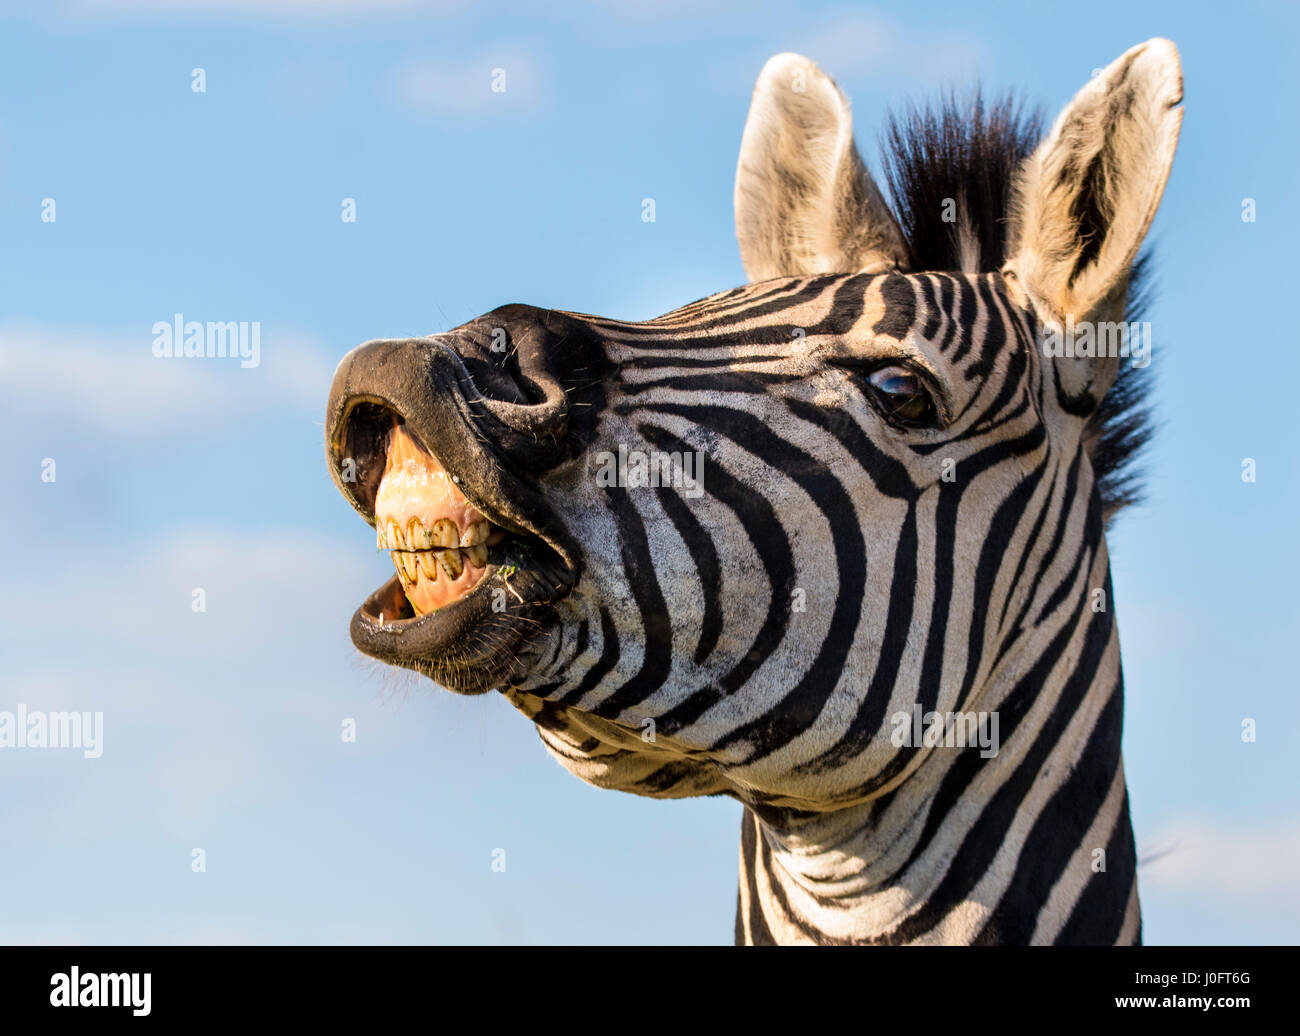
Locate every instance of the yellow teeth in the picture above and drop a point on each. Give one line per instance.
(450, 561)
(409, 564)
(445, 533)
(428, 566)
(427, 553)
(417, 536)
(391, 535)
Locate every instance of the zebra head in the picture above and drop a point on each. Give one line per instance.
(716, 551)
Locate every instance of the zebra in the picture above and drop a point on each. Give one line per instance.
(724, 551)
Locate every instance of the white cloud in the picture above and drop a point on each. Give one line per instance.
(1224, 859)
(258, 589)
(855, 43)
(659, 10)
(466, 87)
(197, 705)
(312, 10)
(117, 384)
(318, 10)
(864, 45)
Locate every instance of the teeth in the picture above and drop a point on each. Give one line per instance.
(450, 561)
(417, 536)
(417, 550)
(427, 564)
(445, 534)
(407, 564)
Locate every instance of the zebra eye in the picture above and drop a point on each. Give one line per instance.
(903, 395)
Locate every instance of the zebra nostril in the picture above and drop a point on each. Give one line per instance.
(537, 407)
(533, 434)
(539, 375)
(545, 420)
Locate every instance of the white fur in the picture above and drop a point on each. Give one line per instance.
(1115, 140)
(804, 201)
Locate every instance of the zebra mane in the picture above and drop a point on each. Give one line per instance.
(969, 151)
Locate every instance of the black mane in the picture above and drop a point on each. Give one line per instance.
(969, 151)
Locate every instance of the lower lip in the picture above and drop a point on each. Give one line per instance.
(448, 644)
(385, 607)
(424, 638)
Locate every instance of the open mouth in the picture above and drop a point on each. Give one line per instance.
(438, 540)
(473, 580)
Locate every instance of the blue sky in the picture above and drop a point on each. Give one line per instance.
(222, 728)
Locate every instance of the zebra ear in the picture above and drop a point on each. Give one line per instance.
(804, 201)
(1085, 198)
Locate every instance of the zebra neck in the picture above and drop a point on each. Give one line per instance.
(1033, 845)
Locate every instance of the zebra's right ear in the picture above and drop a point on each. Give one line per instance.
(805, 203)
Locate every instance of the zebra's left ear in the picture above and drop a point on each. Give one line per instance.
(1085, 198)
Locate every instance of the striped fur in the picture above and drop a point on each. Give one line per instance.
(970, 595)
(839, 567)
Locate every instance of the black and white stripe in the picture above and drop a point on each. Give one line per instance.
(845, 560)
(969, 595)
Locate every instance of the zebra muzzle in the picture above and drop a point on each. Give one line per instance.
(479, 558)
